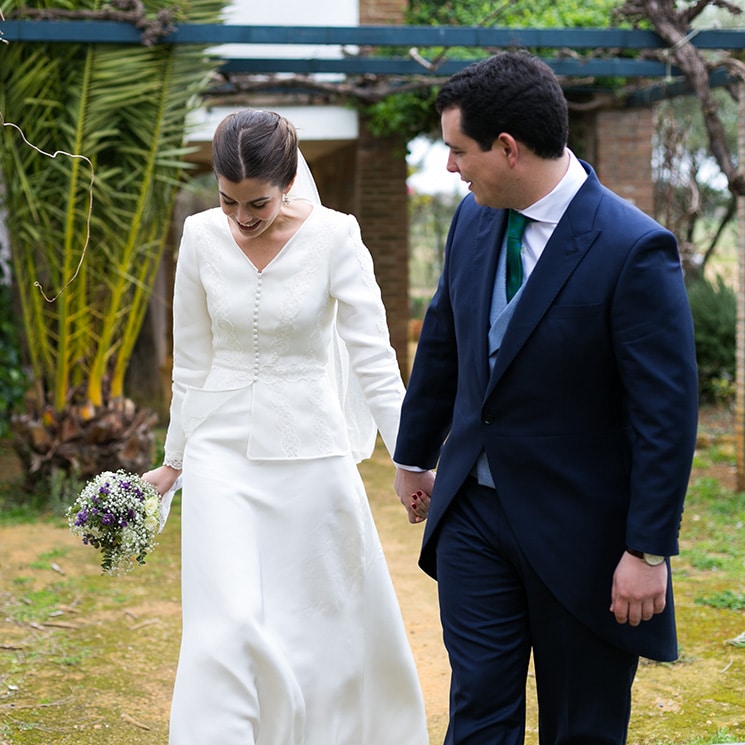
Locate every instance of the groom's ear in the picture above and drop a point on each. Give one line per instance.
(506, 144)
(508, 147)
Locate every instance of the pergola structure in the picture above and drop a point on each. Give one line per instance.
(579, 56)
(606, 61)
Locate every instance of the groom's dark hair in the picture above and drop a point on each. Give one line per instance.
(511, 92)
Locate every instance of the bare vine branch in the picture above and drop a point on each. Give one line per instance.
(127, 11)
(367, 89)
(674, 28)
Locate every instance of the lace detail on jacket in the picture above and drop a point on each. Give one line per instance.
(174, 462)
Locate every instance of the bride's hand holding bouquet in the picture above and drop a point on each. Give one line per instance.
(163, 478)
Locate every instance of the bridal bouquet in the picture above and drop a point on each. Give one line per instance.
(118, 513)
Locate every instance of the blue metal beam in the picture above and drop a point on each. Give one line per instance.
(115, 32)
(85, 32)
(424, 36)
(624, 68)
(451, 36)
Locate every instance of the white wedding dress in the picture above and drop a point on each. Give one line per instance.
(292, 634)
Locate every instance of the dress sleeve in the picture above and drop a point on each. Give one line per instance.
(192, 340)
(361, 324)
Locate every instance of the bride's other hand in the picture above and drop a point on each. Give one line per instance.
(162, 478)
(419, 506)
(409, 485)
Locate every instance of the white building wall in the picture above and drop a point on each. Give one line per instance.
(313, 123)
(289, 13)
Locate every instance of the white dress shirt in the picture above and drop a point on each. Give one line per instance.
(546, 213)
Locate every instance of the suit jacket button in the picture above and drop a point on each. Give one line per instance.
(487, 419)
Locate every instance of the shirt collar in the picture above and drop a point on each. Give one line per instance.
(549, 209)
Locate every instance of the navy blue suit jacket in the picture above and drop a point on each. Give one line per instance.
(589, 416)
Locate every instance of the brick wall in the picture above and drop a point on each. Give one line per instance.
(382, 203)
(623, 154)
(334, 174)
(381, 12)
(382, 210)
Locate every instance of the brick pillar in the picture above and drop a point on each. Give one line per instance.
(382, 211)
(382, 12)
(334, 174)
(382, 201)
(623, 154)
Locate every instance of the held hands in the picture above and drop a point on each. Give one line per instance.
(162, 478)
(414, 489)
(639, 590)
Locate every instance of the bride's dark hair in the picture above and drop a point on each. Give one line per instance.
(256, 144)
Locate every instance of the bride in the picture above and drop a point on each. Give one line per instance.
(283, 374)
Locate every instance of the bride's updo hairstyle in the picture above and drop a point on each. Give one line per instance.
(255, 144)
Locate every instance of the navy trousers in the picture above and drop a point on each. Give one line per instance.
(495, 611)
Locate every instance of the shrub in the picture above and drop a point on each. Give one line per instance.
(714, 310)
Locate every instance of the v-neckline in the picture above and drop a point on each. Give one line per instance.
(279, 253)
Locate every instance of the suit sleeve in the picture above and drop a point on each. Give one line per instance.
(655, 351)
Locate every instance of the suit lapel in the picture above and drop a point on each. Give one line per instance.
(572, 238)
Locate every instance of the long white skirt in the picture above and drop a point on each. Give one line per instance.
(292, 634)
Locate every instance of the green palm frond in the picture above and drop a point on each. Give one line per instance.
(125, 109)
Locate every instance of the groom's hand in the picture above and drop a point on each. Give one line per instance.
(639, 591)
(414, 489)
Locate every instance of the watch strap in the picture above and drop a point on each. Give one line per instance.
(652, 560)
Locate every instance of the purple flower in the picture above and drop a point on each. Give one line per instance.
(82, 517)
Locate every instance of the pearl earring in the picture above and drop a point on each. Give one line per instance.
(285, 199)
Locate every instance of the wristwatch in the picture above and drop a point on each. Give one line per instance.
(652, 559)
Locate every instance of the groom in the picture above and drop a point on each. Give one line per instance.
(555, 383)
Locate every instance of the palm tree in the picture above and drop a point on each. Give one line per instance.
(83, 276)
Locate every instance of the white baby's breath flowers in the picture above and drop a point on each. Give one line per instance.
(118, 513)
